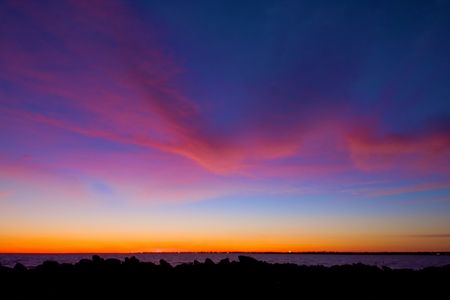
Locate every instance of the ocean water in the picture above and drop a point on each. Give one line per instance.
(390, 260)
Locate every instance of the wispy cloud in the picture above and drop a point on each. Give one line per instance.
(423, 150)
(431, 236)
(104, 74)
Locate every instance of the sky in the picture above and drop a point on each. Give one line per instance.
(130, 126)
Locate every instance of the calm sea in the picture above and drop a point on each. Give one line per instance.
(389, 260)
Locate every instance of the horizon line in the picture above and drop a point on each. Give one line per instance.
(446, 252)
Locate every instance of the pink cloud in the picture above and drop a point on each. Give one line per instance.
(133, 101)
(125, 96)
(427, 150)
(126, 93)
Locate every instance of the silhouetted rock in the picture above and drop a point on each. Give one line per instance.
(246, 278)
(247, 260)
(19, 267)
(49, 266)
(66, 267)
(84, 263)
(386, 269)
(164, 264)
(113, 262)
(97, 259)
(131, 261)
(209, 262)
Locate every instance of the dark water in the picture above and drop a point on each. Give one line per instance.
(390, 260)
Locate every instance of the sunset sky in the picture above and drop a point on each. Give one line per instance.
(224, 126)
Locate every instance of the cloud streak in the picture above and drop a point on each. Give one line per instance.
(100, 72)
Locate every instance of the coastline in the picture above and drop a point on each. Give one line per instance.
(99, 278)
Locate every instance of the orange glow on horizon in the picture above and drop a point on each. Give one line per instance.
(56, 244)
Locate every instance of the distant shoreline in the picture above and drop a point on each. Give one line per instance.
(433, 253)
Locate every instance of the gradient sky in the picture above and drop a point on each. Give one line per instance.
(224, 126)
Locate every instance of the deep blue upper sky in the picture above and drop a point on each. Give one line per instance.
(224, 125)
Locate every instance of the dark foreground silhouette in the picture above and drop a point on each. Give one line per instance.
(246, 278)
